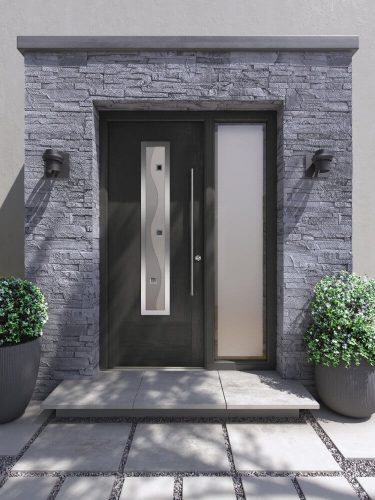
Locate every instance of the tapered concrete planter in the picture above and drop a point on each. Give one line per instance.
(19, 366)
(348, 391)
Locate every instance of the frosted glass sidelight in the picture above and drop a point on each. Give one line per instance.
(155, 229)
(239, 240)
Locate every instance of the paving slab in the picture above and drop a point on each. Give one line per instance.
(368, 484)
(108, 390)
(264, 390)
(86, 488)
(269, 488)
(208, 488)
(171, 447)
(14, 435)
(147, 488)
(326, 488)
(180, 390)
(355, 438)
(279, 447)
(95, 447)
(27, 488)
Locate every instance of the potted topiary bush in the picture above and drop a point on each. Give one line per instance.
(341, 343)
(23, 312)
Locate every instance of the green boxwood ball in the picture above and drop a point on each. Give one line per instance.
(23, 311)
(342, 320)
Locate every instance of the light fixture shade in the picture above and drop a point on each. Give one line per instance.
(322, 160)
(53, 160)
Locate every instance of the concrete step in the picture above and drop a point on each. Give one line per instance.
(180, 393)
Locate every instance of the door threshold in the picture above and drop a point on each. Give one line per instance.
(155, 368)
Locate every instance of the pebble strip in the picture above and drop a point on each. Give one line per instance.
(119, 481)
(177, 488)
(56, 488)
(237, 481)
(350, 467)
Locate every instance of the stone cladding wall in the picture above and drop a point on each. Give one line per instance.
(65, 90)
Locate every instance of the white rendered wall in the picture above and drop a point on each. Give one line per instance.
(182, 17)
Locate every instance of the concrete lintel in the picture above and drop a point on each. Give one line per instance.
(181, 43)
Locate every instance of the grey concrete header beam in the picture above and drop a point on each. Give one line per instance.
(182, 43)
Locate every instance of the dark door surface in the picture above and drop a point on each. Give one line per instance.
(158, 322)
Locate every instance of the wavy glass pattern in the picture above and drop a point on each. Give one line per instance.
(155, 229)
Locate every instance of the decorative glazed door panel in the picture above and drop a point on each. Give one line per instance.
(155, 240)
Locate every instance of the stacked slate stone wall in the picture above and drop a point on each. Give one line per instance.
(312, 93)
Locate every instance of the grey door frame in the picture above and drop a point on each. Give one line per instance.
(209, 118)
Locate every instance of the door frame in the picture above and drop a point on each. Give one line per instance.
(209, 118)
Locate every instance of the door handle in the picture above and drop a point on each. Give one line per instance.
(191, 232)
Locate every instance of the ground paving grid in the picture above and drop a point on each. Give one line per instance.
(351, 469)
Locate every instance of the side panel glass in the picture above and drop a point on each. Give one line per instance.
(239, 241)
(155, 228)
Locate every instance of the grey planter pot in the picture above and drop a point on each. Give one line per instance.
(348, 391)
(19, 366)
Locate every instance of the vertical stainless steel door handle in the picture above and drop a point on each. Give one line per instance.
(191, 231)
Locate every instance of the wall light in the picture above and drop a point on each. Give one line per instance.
(56, 163)
(318, 163)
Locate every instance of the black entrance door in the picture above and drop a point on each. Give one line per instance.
(155, 243)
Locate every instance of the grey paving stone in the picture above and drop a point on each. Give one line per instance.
(86, 488)
(178, 447)
(355, 438)
(180, 390)
(264, 390)
(174, 391)
(269, 488)
(326, 488)
(108, 390)
(208, 488)
(147, 488)
(279, 447)
(14, 435)
(27, 488)
(76, 447)
(368, 484)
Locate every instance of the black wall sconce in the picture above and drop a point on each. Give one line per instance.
(56, 164)
(318, 163)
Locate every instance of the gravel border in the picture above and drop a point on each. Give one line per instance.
(119, 481)
(237, 481)
(177, 488)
